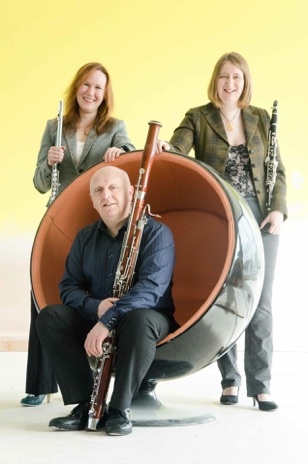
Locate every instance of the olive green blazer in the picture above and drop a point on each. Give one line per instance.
(202, 129)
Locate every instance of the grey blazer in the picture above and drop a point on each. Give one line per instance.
(94, 149)
(202, 129)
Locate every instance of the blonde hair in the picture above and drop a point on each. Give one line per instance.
(239, 62)
(103, 118)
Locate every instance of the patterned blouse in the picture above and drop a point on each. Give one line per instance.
(238, 171)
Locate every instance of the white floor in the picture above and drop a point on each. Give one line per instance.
(237, 434)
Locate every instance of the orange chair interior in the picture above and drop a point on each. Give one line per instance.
(188, 199)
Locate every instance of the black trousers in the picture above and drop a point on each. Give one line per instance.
(63, 331)
(40, 377)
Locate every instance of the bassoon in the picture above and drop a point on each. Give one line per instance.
(271, 159)
(124, 276)
(55, 168)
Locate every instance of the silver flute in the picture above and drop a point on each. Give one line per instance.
(55, 168)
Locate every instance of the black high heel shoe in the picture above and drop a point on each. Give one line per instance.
(229, 399)
(265, 405)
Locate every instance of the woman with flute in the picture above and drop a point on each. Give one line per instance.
(90, 135)
(232, 136)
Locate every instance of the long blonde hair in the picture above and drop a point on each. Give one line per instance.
(239, 62)
(103, 118)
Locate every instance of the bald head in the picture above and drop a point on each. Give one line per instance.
(109, 172)
(111, 193)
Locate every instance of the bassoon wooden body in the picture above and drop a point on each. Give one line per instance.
(124, 275)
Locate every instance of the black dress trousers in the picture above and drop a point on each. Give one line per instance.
(40, 377)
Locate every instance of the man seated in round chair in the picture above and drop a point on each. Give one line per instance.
(75, 330)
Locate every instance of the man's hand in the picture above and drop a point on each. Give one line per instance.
(94, 341)
(95, 338)
(105, 305)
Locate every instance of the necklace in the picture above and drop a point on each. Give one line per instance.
(229, 125)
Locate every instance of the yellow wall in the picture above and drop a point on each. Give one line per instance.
(160, 55)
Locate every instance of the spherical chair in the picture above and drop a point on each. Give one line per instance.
(218, 274)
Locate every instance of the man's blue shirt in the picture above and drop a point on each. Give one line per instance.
(92, 262)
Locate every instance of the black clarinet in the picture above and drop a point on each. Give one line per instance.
(271, 159)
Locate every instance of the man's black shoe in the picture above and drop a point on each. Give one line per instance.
(76, 420)
(118, 422)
